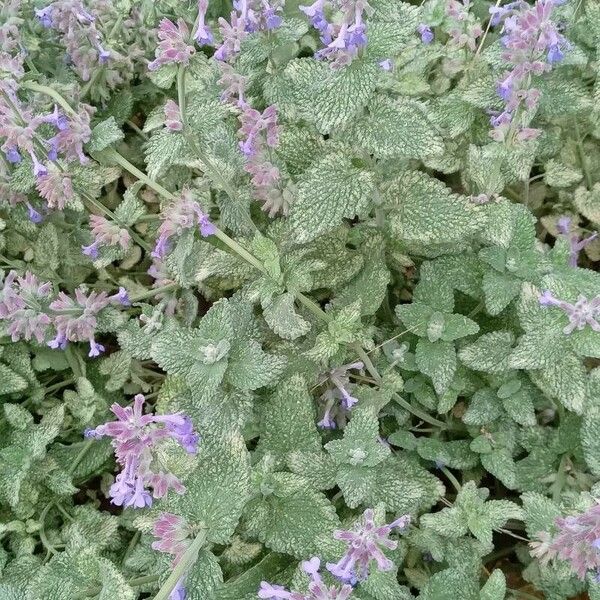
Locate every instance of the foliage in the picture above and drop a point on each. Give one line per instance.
(348, 254)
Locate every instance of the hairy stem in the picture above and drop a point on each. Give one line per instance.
(182, 567)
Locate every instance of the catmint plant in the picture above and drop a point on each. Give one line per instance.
(351, 244)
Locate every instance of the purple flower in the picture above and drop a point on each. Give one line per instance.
(173, 46)
(178, 592)
(203, 35)
(577, 542)
(425, 33)
(172, 116)
(107, 233)
(91, 250)
(344, 41)
(386, 65)
(57, 119)
(122, 297)
(13, 155)
(95, 349)
(575, 242)
(135, 437)
(75, 318)
(23, 306)
(317, 589)
(337, 400)
(182, 213)
(532, 44)
(583, 312)
(59, 342)
(173, 533)
(44, 16)
(364, 545)
(34, 215)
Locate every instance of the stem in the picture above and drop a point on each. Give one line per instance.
(582, 159)
(451, 478)
(419, 413)
(80, 456)
(184, 564)
(48, 91)
(151, 293)
(57, 386)
(561, 477)
(137, 582)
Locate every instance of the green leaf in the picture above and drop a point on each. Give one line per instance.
(288, 423)
(164, 149)
(251, 368)
(397, 129)
(489, 353)
(330, 190)
(590, 427)
(424, 211)
(204, 578)
(218, 488)
(293, 518)
(281, 316)
(438, 361)
(104, 134)
(10, 382)
(326, 97)
(495, 586)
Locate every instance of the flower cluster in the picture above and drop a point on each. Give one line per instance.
(583, 312)
(105, 233)
(12, 55)
(577, 542)
(30, 312)
(173, 533)
(317, 588)
(465, 29)
(364, 545)
(135, 438)
(532, 44)
(173, 44)
(260, 132)
(172, 116)
(336, 398)
(55, 187)
(20, 130)
(249, 16)
(575, 242)
(79, 34)
(183, 213)
(344, 40)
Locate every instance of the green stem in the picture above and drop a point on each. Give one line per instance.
(48, 91)
(137, 582)
(419, 413)
(561, 478)
(451, 478)
(153, 292)
(87, 445)
(582, 158)
(181, 568)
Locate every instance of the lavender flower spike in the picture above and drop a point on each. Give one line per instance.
(577, 541)
(576, 244)
(317, 589)
(583, 312)
(203, 35)
(135, 437)
(425, 33)
(364, 545)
